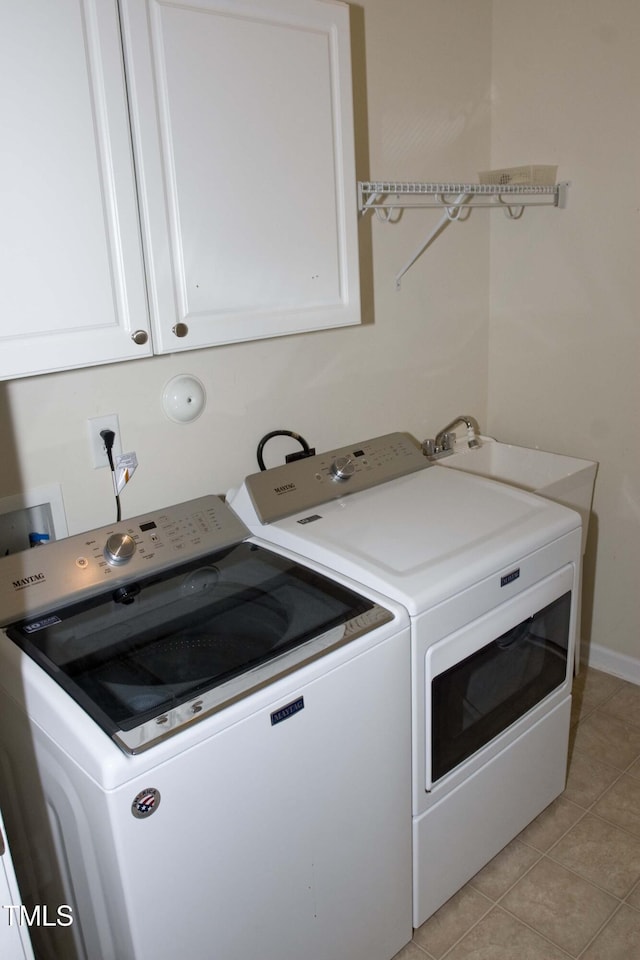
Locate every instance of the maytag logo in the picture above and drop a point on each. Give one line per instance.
(285, 488)
(288, 711)
(28, 581)
(510, 577)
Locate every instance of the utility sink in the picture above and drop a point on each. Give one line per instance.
(567, 480)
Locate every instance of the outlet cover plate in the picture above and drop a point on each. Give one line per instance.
(96, 444)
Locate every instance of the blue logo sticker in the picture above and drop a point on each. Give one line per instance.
(285, 712)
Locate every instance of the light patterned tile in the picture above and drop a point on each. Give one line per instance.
(621, 804)
(452, 921)
(564, 908)
(588, 779)
(634, 770)
(594, 686)
(551, 824)
(625, 704)
(620, 939)
(580, 709)
(505, 869)
(609, 740)
(412, 952)
(591, 689)
(634, 898)
(499, 936)
(601, 853)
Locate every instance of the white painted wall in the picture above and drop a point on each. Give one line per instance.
(422, 102)
(564, 348)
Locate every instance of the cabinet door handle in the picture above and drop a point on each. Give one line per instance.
(140, 337)
(180, 330)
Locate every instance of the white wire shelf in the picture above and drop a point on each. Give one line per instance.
(386, 197)
(390, 195)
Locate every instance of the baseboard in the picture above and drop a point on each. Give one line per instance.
(617, 664)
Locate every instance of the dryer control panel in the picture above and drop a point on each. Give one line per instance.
(303, 484)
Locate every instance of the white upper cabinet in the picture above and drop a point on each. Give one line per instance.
(243, 136)
(72, 288)
(238, 219)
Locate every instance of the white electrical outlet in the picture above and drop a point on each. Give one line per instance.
(96, 443)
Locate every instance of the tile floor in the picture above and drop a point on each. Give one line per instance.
(569, 885)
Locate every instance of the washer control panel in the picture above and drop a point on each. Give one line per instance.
(90, 563)
(286, 490)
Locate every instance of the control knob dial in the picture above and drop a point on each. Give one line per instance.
(119, 548)
(342, 468)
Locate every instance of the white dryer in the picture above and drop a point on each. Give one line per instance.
(490, 577)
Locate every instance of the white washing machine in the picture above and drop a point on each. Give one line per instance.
(490, 577)
(204, 747)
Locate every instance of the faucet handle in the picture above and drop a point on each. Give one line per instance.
(429, 447)
(449, 441)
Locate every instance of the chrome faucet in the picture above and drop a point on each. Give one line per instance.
(445, 439)
(472, 430)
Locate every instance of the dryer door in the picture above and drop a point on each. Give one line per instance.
(486, 676)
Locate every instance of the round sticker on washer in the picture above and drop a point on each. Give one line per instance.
(146, 803)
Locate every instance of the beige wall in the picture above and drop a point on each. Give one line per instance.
(443, 90)
(564, 351)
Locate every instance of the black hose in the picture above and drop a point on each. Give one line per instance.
(279, 433)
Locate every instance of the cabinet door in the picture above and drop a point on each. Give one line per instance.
(72, 287)
(243, 134)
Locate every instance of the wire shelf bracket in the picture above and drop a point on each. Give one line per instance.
(456, 200)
